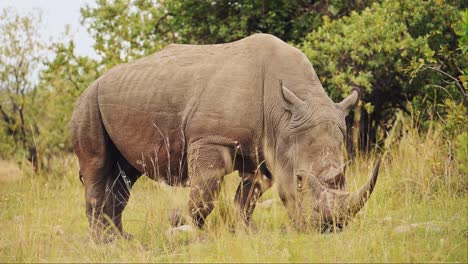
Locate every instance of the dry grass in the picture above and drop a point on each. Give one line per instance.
(9, 171)
(418, 213)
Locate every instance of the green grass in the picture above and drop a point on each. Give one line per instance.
(42, 218)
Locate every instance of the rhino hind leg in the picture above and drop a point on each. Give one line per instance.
(95, 173)
(97, 158)
(118, 186)
(206, 171)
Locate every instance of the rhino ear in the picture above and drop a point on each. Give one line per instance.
(291, 99)
(349, 102)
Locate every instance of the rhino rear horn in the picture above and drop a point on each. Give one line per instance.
(349, 102)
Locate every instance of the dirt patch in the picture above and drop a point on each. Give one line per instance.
(9, 171)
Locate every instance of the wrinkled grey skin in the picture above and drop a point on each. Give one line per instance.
(188, 115)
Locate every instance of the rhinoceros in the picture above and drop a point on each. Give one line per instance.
(190, 114)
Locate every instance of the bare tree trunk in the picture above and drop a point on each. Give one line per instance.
(33, 158)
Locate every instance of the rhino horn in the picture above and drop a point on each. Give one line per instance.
(339, 206)
(359, 198)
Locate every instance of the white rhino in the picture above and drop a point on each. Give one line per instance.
(190, 114)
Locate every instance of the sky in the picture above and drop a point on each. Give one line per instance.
(56, 14)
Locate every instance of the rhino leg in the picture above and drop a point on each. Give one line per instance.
(118, 187)
(96, 155)
(250, 189)
(207, 168)
(95, 179)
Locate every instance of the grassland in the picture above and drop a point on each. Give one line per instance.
(418, 213)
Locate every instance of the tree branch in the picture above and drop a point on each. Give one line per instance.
(456, 80)
(7, 120)
(155, 31)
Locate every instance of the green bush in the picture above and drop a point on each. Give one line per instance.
(396, 51)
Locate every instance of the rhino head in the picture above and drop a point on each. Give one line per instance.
(311, 151)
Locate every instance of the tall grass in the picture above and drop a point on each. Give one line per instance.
(418, 213)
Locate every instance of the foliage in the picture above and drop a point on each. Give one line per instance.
(396, 51)
(64, 78)
(460, 147)
(37, 93)
(462, 31)
(222, 21)
(20, 57)
(125, 30)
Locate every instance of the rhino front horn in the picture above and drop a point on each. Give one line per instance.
(359, 198)
(338, 206)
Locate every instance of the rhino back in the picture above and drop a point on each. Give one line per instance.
(153, 107)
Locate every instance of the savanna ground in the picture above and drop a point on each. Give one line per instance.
(418, 213)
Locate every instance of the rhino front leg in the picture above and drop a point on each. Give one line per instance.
(250, 189)
(207, 168)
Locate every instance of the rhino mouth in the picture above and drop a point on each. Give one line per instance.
(335, 207)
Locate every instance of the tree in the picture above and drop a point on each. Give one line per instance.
(125, 30)
(20, 57)
(208, 22)
(38, 93)
(62, 81)
(397, 51)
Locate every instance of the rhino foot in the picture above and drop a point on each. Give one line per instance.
(179, 230)
(176, 218)
(108, 237)
(127, 236)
